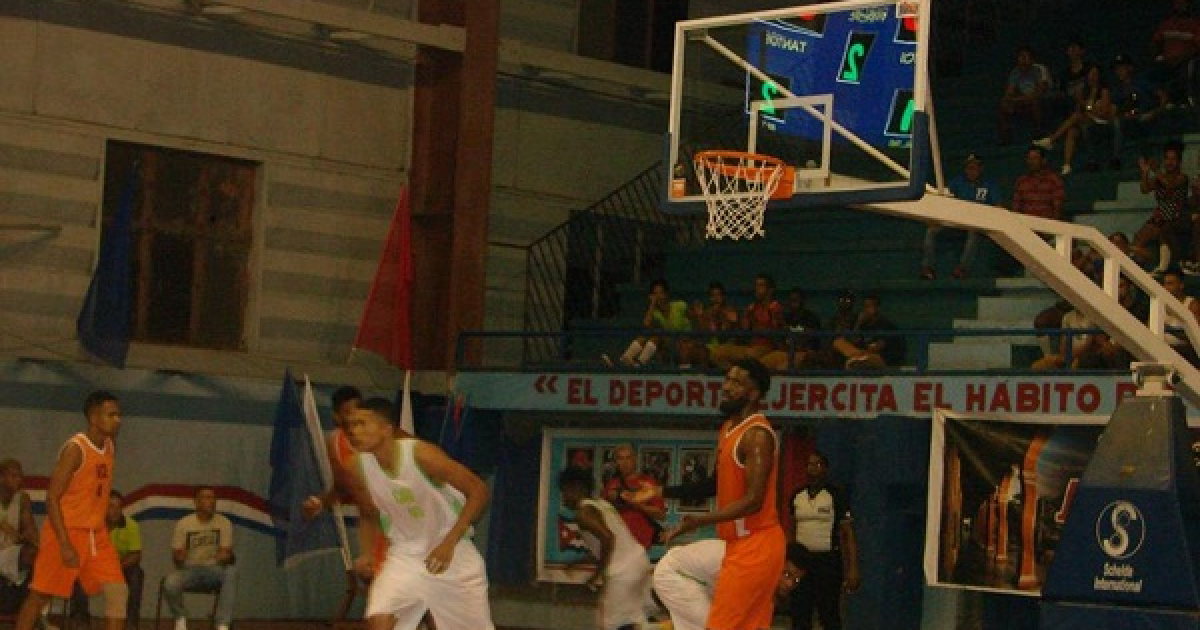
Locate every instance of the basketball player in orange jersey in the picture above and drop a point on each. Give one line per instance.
(746, 517)
(345, 401)
(74, 542)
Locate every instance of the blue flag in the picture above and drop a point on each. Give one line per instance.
(104, 321)
(295, 475)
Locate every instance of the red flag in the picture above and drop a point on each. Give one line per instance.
(386, 319)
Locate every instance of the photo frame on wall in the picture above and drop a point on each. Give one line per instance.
(582, 457)
(559, 549)
(656, 462)
(695, 464)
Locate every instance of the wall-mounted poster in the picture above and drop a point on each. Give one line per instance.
(561, 556)
(695, 464)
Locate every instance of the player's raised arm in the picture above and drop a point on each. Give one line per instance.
(441, 468)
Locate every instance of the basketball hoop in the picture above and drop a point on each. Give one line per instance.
(736, 186)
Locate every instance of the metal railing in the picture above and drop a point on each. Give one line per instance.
(917, 341)
(575, 270)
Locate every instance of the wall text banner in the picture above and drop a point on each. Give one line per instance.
(670, 456)
(797, 397)
(1000, 489)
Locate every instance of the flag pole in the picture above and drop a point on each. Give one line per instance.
(319, 445)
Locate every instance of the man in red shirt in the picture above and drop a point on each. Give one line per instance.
(1177, 44)
(765, 314)
(640, 516)
(1039, 192)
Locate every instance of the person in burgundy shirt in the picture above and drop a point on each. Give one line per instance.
(1039, 192)
(1176, 47)
(765, 313)
(641, 517)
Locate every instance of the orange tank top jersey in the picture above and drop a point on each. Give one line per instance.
(731, 481)
(342, 448)
(86, 498)
(343, 453)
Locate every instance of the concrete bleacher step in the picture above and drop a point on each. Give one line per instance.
(1012, 306)
(963, 356)
(1143, 205)
(996, 324)
(1107, 223)
(1020, 283)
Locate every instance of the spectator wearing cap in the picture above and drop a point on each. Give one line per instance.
(1039, 191)
(1137, 105)
(968, 186)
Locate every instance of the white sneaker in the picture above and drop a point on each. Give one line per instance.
(181, 623)
(223, 626)
(1066, 170)
(1045, 143)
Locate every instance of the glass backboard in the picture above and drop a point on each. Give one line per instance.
(837, 91)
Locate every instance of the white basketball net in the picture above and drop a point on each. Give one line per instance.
(736, 187)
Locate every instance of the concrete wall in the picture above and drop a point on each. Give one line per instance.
(330, 129)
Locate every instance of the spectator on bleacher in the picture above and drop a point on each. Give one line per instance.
(662, 313)
(1070, 344)
(1071, 81)
(1092, 264)
(1137, 105)
(18, 536)
(871, 347)
(845, 316)
(1039, 191)
(714, 318)
(1133, 299)
(1093, 119)
(764, 314)
(970, 185)
(1050, 318)
(1105, 353)
(1176, 45)
(1023, 94)
(802, 322)
(1170, 223)
(1172, 281)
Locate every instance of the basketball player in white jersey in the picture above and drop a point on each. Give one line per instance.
(621, 561)
(424, 502)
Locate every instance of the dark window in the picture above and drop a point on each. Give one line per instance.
(192, 234)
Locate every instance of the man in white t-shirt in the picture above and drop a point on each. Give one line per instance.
(202, 549)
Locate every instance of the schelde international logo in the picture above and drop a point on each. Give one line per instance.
(1120, 532)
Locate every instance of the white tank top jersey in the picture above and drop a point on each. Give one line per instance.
(11, 515)
(627, 553)
(415, 513)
